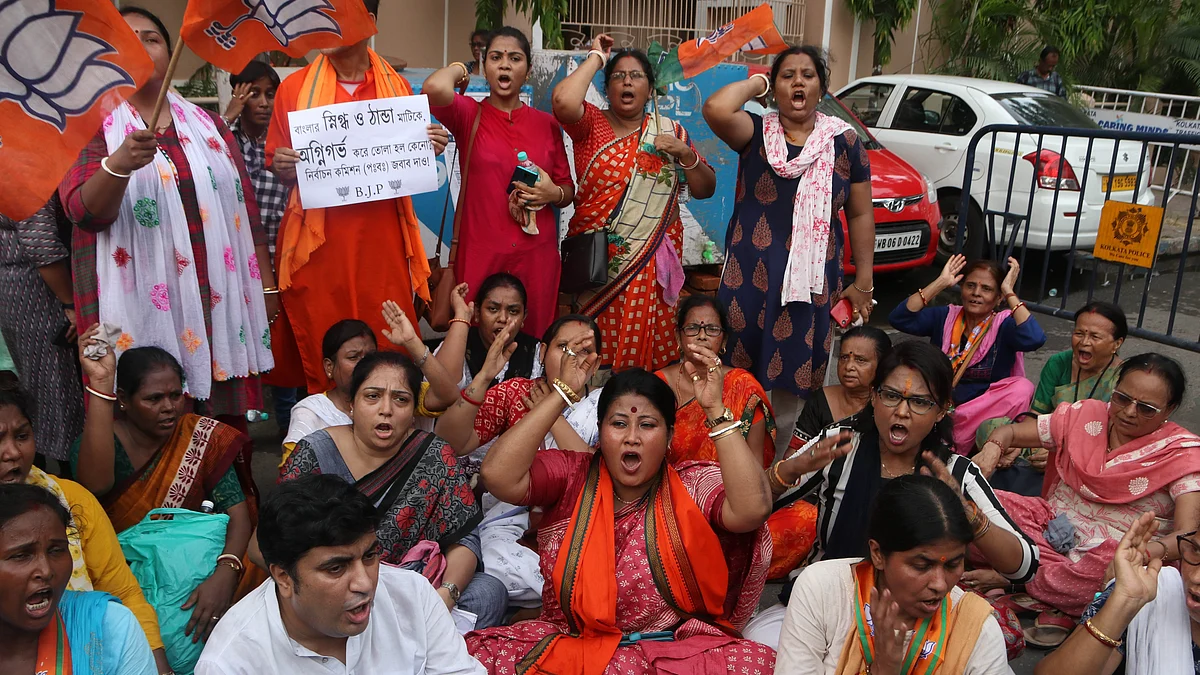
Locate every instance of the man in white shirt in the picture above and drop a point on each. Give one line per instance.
(329, 606)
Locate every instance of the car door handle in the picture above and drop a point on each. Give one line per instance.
(946, 147)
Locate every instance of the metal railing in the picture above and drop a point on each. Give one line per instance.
(636, 23)
(1011, 204)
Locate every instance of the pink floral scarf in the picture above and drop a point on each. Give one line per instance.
(804, 276)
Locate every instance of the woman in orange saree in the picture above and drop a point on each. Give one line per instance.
(674, 558)
(157, 456)
(703, 320)
(633, 168)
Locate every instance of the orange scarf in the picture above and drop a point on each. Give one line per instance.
(960, 354)
(677, 534)
(304, 229)
(54, 651)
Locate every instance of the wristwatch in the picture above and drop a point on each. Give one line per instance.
(726, 416)
(455, 594)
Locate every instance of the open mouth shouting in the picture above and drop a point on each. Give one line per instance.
(504, 81)
(384, 430)
(897, 434)
(360, 613)
(40, 603)
(631, 462)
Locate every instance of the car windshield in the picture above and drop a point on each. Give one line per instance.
(1044, 110)
(831, 106)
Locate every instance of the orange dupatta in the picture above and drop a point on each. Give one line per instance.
(677, 533)
(54, 651)
(303, 230)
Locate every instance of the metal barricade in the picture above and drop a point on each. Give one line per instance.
(1029, 179)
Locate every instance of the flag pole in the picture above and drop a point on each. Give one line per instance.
(166, 84)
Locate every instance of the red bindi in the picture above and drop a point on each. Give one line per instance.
(633, 408)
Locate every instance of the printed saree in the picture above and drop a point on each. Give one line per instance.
(422, 491)
(630, 190)
(666, 589)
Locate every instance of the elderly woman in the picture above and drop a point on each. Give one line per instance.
(783, 272)
(899, 610)
(1087, 370)
(905, 430)
(690, 544)
(97, 562)
(412, 476)
(860, 352)
(1113, 462)
(1146, 619)
(491, 133)
(634, 168)
(45, 628)
(985, 346)
(168, 245)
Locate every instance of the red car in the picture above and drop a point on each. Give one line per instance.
(906, 210)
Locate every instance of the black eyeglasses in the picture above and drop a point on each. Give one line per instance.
(1123, 400)
(710, 329)
(892, 399)
(1188, 549)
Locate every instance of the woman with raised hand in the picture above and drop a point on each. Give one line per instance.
(635, 167)
(798, 169)
(690, 544)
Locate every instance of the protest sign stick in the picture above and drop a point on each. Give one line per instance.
(166, 84)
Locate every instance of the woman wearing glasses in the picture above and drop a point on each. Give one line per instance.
(906, 429)
(1146, 618)
(633, 169)
(1114, 462)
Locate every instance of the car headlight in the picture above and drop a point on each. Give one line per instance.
(930, 191)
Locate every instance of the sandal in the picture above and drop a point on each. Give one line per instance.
(1049, 629)
(1028, 604)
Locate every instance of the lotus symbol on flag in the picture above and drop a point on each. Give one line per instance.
(48, 66)
(285, 19)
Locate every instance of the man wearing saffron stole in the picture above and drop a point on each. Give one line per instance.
(649, 567)
(374, 253)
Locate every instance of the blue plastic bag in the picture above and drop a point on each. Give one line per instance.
(170, 558)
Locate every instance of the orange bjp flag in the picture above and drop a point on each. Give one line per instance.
(230, 33)
(64, 65)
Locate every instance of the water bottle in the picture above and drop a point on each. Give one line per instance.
(207, 507)
(709, 254)
(256, 416)
(526, 171)
(1053, 292)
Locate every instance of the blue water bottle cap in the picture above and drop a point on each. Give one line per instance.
(522, 157)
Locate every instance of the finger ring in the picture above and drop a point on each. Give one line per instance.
(695, 378)
(216, 618)
(712, 369)
(571, 352)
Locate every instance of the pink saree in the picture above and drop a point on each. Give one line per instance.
(1008, 397)
(1101, 493)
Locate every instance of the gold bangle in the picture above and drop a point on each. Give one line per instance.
(464, 322)
(779, 479)
(1099, 635)
(466, 71)
(566, 389)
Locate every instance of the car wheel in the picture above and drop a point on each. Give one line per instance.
(972, 244)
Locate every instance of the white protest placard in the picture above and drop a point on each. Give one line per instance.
(351, 153)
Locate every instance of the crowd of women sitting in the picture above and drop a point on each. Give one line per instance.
(608, 490)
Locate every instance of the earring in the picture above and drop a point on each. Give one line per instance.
(722, 351)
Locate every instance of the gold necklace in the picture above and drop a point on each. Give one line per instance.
(626, 503)
(889, 474)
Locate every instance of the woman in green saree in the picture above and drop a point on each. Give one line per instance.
(1087, 370)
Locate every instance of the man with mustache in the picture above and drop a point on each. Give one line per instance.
(329, 597)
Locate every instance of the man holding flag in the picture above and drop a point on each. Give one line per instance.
(374, 253)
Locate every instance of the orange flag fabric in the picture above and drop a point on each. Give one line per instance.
(64, 65)
(753, 33)
(230, 33)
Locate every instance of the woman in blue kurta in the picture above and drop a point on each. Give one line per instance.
(985, 346)
(783, 272)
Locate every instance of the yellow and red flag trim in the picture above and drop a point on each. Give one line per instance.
(64, 65)
(230, 33)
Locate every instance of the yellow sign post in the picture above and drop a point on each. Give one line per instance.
(1128, 233)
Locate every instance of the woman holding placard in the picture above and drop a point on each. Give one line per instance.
(491, 135)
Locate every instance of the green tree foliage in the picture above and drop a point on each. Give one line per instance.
(489, 14)
(889, 16)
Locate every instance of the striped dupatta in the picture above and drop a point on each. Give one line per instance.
(686, 561)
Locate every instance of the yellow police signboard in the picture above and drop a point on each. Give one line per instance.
(1128, 233)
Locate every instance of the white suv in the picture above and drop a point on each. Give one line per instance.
(929, 121)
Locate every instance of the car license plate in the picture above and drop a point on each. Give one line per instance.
(1122, 183)
(897, 242)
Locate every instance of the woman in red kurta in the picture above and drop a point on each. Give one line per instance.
(489, 239)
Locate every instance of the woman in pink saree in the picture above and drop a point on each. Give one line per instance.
(1115, 461)
(985, 343)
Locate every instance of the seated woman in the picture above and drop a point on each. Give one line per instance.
(45, 628)
(155, 455)
(691, 550)
(483, 412)
(412, 476)
(500, 303)
(1148, 618)
(344, 344)
(97, 561)
(906, 427)
(1087, 370)
(985, 346)
(1113, 461)
(899, 610)
(861, 350)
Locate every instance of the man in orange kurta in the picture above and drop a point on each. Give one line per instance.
(341, 262)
